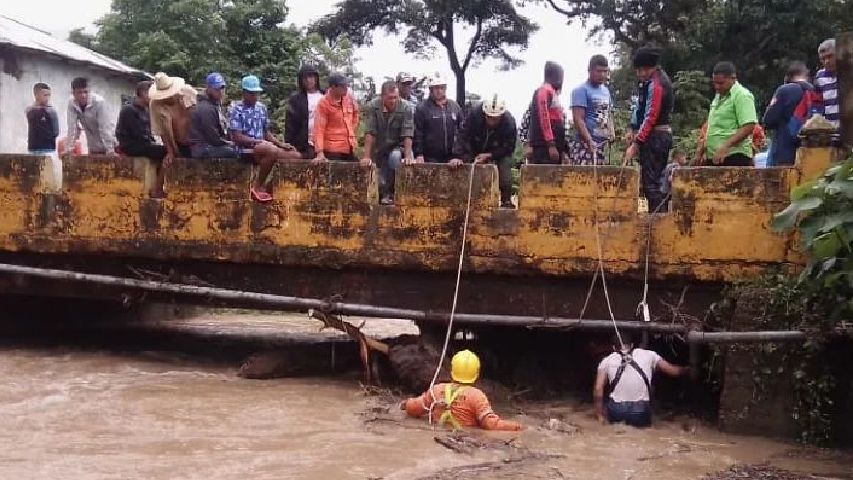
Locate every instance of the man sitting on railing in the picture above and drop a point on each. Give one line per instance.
(133, 133)
(249, 126)
(171, 102)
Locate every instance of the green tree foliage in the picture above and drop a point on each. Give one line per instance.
(80, 37)
(495, 28)
(760, 36)
(822, 213)
(337, 56)
(190, 38)
(691, 109)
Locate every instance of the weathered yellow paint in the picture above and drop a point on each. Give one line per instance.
(328, 216)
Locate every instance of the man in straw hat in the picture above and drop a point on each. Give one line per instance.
(249, 126)
(171, 101)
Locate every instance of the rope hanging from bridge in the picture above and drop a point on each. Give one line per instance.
(449, 331)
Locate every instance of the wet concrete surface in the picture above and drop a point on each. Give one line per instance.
(74, 409)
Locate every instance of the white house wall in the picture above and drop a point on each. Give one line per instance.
(16, 93)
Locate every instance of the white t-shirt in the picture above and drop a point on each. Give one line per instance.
(631, 387)
(313, 100)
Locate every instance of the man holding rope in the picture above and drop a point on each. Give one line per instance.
(627, 374)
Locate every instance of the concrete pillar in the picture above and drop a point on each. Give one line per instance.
(844, 56)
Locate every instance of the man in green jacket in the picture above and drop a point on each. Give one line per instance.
(389, 129)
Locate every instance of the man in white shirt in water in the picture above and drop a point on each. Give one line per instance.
(627, 375)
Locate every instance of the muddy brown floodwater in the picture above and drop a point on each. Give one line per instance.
(81, 413)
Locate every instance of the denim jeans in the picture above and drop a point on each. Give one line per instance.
(209, 151)
(388, 167)
(636, 414)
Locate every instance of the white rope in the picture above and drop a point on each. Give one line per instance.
(455, 293)
(599, 249)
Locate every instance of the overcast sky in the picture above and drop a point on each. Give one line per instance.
(566, 44)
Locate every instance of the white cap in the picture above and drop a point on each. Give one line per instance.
(435, 80)
(494, 106)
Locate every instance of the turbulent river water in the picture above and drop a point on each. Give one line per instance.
(91, 413)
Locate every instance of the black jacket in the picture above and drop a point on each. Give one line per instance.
(436, 129)
(43, 128)
(133, 129)
(206, 126)
(296, 121)
(475, 138)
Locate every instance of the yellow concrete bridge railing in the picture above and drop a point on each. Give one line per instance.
(718, 227)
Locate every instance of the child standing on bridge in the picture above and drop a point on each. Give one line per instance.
(43, 122)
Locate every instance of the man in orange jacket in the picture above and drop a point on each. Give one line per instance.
(336, 123)
(459, 404)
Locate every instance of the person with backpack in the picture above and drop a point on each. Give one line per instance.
(786, 114)
(627, 375)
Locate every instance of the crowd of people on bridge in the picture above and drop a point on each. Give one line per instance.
(169, 118)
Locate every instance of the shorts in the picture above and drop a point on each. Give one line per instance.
(42, 151)
(209, 151)
(580, 154)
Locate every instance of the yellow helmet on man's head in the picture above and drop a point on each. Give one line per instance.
(465, 367)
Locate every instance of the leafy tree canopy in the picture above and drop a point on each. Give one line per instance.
(495, 26)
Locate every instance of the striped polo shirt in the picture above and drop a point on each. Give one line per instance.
(826, 85)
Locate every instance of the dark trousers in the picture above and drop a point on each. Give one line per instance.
(153, 151)
(540, 157)
(438, 158)
(636, 414)
(339, 157)
(737, 160)
(653, 156)
(308, 153)
(504, 177)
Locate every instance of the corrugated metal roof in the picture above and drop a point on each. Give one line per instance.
(20, 35)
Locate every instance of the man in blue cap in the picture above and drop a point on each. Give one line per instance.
(249, 126)
(208, 136)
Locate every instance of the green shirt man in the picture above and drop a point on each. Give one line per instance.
(389, 128)
(730, 121)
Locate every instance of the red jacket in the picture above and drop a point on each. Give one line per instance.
(547, 126)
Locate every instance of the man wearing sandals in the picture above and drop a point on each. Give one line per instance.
(249, 126)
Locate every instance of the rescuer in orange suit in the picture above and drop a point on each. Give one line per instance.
(469, 406)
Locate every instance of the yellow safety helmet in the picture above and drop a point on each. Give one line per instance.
(465, 367)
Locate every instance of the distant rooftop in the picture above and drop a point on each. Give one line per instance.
(20, 35)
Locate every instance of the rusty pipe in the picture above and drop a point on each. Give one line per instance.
(696, 337)
(285, 303)
(295, 303)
